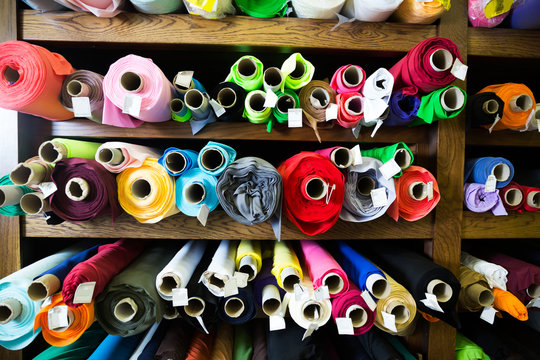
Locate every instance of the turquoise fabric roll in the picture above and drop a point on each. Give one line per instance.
(209, 160)
(116, 347)
(185, 187)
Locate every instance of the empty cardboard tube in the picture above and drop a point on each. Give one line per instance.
(440, 289)
(10, 309)
(43, 287)
(196, 102)
(289, 276)
(169, 281)
(311, 311)
(285, 102)
(194, 193)
(513, 197)
(71, 318)
(234, 307)
(131, 81)
(77, 189)
(533, 291)
(452, 99)
(400, 312)
(364, 185)
(11, 75)
(176, 105)
(441, 60)
(217, 281)
(10, 195)
(341, 157)
(378, 286)
(51, 152)
(34, 203)
(490, 106)
(319, 98)
(141, 189)
(402, 158)
(256, 100)
(357, 315)
(125, 309)
(271, 300)
(299, 70)
(418, 190)
(334, 282)
(501, 172)
(110, 156)
(354, 105)
(195, 306)
(212, 159)
(248, 265)
(316, 188)
(76, 88)
(175, 162)
(272, 79)
(352, 76)
(480, 294)
(521, 103)
(533, 199)
(32, 173)
(247, 68)
(170, 313)
(226, 97)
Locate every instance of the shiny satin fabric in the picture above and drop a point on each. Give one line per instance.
(297, 72)
(386, 153)
(32, 80)
(301, 309)
(477, 170)
(466, 349)
(523, 16)
(419, 12)
(350, 109)
(473, 286)
(243, 343)
(285, 257)
(115, 347)
(314, 108)
(368, 10)
(340, 80)
(15, 209)
(431, 107)
(478, 18)
(496, 275)
(67, 148)
(512, 197)
(230, 311)
(155, 200)
(91, 86)
(251, 251)
(221, 268)
(201, 346)
(189, 158)
(249, 82)
(132, 155)
(106, 8)
(377, 91)
(288, 99)
(191, 206)
(263, 8)
(227, 154)
(403, 109)
(478, 200)
(507, 302)
(176, 341)
(312, 213)
(234, 111)
(483, 108)
(344, 305)
(530, 195)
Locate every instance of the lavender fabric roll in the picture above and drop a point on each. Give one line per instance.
(84, 83)
(525, 15)
(403, 109)
(478, 200)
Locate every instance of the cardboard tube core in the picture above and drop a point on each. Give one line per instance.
(357, 315)
(194, 99)
(521, 103)
(125, 310)
(247, 68)
(226, 97)
(319, 98)
(110, 156)
(364, 185)
(441, 60)
(256, 101)
(501, 172)
(131, 82)
(43, 287)
(175, 162)
(234, 307)
(77, 189)
(52, 152)
(212, 159)
(452, 99)
(312, 311)
(271, 300)
(513, 197)
(176, 105)
(378, 286)
(418, 191)
(194, 193)
(490, 106)
(34, 203)
(400, 311)
(341, 157)
(480, 294)
(71, 318)
(10, 195)
(352, 76)
(170, 313)
(141, 189)
(354, 105)
(76, 88)
(402, 158)
(285, 102)
(169, 281)
(216, 281)
(289, 276)
(10, 309)
(533, 199)
(27, 174)
(272, 78)
(440, 289)
(316, 188)
(11, 75)
(195, 307)
(334, 282)
(534, 291)
(248, 265)
(299, 70)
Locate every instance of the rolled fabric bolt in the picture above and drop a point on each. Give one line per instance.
(84, 83)
(10, 195)
(377, 92)
(523, 15)
(125, 310)
(195, 189)
(372, 11)
(238, 309)
(201, 111)
(400, 152)
(521, 103)
(512, 196)
(418, 190)
(477, 199)
(417, 12)
(479, 294)
(440, 289)
(314, 98)
(352, 305)
(298, 76)
(58, 149)
(286, 267)
(378, 286)
(157, 7)
(179, 112)
(132, 156)
(181, 90)
(441, 104)
(10, 309)
(110, 156)
(532, 198)
(255, 111)
(317, 9)
(52, 152)
(77, 189)
(247, 72)
(227, 97)
(177, 161)
(272, 79)
(403, 109)
(231, 97)
(305, 312)
(248, 258)
(271, 300)
(452, 99)
(484, 108)
(478, 18)
(478, 170)
(32, 172)
(348, 78)
(215, 157)
(234, 307)
(221, 269)
(340, 156)
(263, 9)
(286, 100)
(350, 109)
(289, 277)
(34, 203)
(44, 287)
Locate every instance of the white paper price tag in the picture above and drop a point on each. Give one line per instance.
(84, 293)
(218, 109)
(377, 126)
(311, 328)
(491, 184)
(430, 190)
(331, 112)
(344, 326)
(132, 105)
(459, 70)
(300, 294)
(497, 119)
(322, 293)
(356, 130)
(277, 322)
(183, 78)
(47, 302)
(241, 279)
(200, 320)
(431, 302)
(357, 155)
(231, 288)
(389, 169)
(179, 297)
(378, 197)
(295, 118)
(47, 188)
(538, 124)
(81, 106)
(271, 99)
(389, 321)
(534, 303)
(202, 216)
(369, 300)
(488, 314)
(289, 65)
(58, 317)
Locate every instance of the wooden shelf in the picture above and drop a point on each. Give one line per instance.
(488, 226)
(482, 137)
(221, 226)
(500, 42)
(233, 31)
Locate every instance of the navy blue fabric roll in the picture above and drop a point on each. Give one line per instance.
(265, 277)
(230, 312)
(477, 170)
(151, 348)
(116, 347)
(61, 270)
(357, 267)
(403, 109)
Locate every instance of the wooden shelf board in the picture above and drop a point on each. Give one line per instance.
(500, 42)
(221, 226)
(488, 226)
(239, 31)
(502, 138)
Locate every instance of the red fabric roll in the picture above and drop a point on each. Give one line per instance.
(339, 84)
(413, 74)
(101, 268)
(503, 194)
(342, 303)
(527, 190)
(349, 114)
(312, 216)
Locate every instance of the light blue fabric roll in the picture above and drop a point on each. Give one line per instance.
(188, 196)
(116, 347)
(196, 85)
(189, 157)
(215, 164)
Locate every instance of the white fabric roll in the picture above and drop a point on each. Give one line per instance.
(221, 268)
(181, 266)
(317, 9)
(302, 307)
(220, 8)
(370, 10)
(495, 274)
(377, 91)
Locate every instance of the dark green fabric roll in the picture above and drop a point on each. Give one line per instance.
(243, 342)
(396, 152)
(12, 210)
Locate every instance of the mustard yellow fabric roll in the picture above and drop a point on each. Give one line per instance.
(249, 248)
(147, 192)
(473, 285)
(401, 303)
(284, 257)
(419, 12)
(224, 344)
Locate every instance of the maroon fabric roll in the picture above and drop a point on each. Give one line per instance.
(505, 196)
(352, 297)
(101, 268)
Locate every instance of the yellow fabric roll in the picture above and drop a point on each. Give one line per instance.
(152, 203)
(399, 296)
(224, 344)
(249, 248)
(284, 257)
(419, 12)
(472, 285)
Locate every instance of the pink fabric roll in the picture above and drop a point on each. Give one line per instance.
(133, 155)
(353, 297)
(478, 18)
(100, 8)
(338, 82)
(319, 264)
(156, 93)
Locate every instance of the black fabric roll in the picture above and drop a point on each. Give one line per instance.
(249, 311)
(52, 219)
(534, 318)
(153, 345)
(347, 346)
(476, 116)
(176, 341)
(377, 346)
(235, 112)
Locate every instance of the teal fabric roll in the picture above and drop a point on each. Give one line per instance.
(116, 347)
(12, 210)
(208, 162)
(185, 203)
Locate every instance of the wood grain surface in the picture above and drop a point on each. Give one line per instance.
(500, 42)
(482, 137)
(488, 226)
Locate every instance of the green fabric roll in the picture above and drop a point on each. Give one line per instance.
(80, 349)
(183, 115)
(78, 148)
(263, 8)
(292, 79)
(243, 342)
(386, 153)
(431, 110)
(251, 83)
(280, 117)
(12, 210)
(467, 350)
(136, 282)
(256, 117)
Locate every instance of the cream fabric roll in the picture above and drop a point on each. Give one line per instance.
(495, 274)
(221, 269)
(317, 9)
(370, 10)
(308, 310)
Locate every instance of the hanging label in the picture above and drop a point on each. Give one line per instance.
(369, 300)
(58, 317)
(179, 297)
(295, 118)
(311, 328)
(84, 293)
(459, 70)
(377, 126)
(132, 105)
(300, 294)
(488, 314)
(271, 99)
(431, 302)
(430, 190)
(81, 106)
(491, 184)
(342, 20)
(288, 66)
(277, 322)
(389, 169)
(497, 118)
(241, 279)
(200, 320)
(47, 188)
(534, 303)
(538, 124)
(202, 216)
(231, 288)
(183, 79)
(47, 302)
(356, 130)
(357, 155)
(389, 321)
(218, 109)
(344, 326)
(322, 293)
(331, 112)
(378, 197)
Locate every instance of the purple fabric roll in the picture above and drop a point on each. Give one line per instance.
(264, 278)
(477, 200)
(525, 15)
(403, 109)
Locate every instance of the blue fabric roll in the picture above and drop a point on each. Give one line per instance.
(196, 85)
(61, 270)
(477, 170)
(228, 153)
(196, 176)
(190, 157)
(249, 312)
(151, 348)
(357, 267)
(525, 15)
(116, 347)
(403, 109)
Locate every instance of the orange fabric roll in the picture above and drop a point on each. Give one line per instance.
(418, 12)
(201, 346)
(506, 301)
(509, 93)
(83, 317)
(224, 344)
(31, 80)
(428, 317)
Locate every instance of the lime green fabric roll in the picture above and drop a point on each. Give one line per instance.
(386, 153)
(297, 71)
(249, 83)
(431, 109)
(78, 148)
(263, 8)
(183, 114)
(256, 116)
(467, 350)
(243, 342)
(12, 210)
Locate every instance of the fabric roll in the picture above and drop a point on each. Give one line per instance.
(15, 209)
(484, 108)
(202, 113)
(377, 91)
(81, 319)
(179, 111)
(31, 173)
(314, 99)
(350, 109)
(243, 343)
(231, 97)
(247, 72)
(478, 18)
(176, 341)
(107, 8)
(178, 272)
(358, 203)
(409, 204)
(400, 152)
(475, 291)
(372, 11)
(249, 258)
(506, 301)
(156, 6)
(377, 346)
(519, 103)
(116, 347)
(403, 109)
(478, 200)
(16, 327)
(86, 191)
(317, 9)
(313, 192)
(32, 80)
(221, 269)
(130, 303)
(348, 347)
(340, 156)
(435, 106)
(512, 196)
(224, 343)
(288, 99)
(348, 78)
(177, 161)
(152, 346)
(414, 73)
(297, 72)
(477, 170)
(263, 9)
(308, 310)
(496, 275)
(210, 10)
(57, 149)
(101, 268)
(238, 309)
(201, 346)
(118, 156)
(269, 300)
(254, 109)
(530, 196)
(466, 349)
(147, 193)
(285, 258)
(323, 269)
(215, 157)
(523, 15)
(350, 304)
(135, 76)
(194, 189)
(259, 342)
(181, 90)
(84, 83)
(416, 12)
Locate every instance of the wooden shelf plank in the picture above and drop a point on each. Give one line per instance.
(503, 138)
(500, 42)
(237, 31)
(487, 226)
(221, 226)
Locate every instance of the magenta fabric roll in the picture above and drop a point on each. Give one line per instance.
(342, 303)
(320, 263)
(327, 152)
(337, 83)
(478, 200)
(477, 16)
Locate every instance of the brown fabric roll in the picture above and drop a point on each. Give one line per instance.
(259, 341)
(315, 117)
(472, 285)
(176, 342)
(223, 346)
